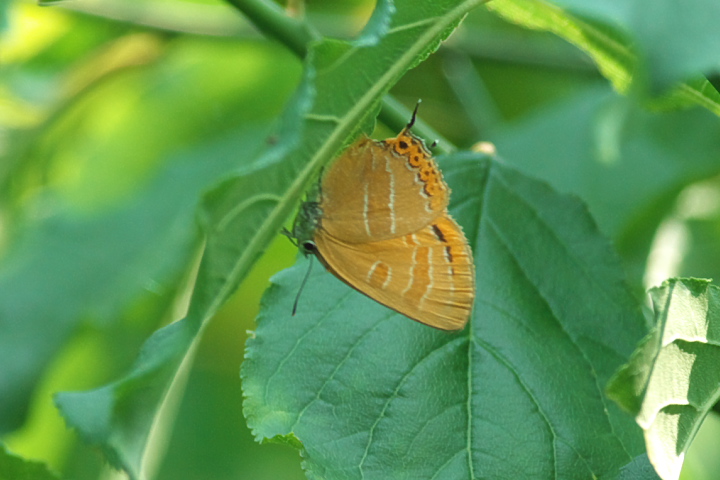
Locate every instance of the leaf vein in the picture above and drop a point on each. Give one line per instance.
(394, 395)
(321, 320)
(339, 365)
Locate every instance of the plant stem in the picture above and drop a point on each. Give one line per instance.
(273, 22)
(297, 34)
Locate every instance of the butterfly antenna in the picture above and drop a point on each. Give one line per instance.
(412, 119)
(302, 286)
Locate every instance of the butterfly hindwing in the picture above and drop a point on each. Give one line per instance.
(427, 275)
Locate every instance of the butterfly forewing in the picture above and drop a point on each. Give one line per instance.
(380, 190)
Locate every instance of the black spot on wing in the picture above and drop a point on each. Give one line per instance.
(449, 255)
(439, 234)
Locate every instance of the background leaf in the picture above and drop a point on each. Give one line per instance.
(15, 468)
(371, 394)
(601, 146)
(635, 42)
(640, 467)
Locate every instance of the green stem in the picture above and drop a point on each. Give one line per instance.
(297, 34)
(270, 19)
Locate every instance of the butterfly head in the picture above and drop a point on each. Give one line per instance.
(307, 221)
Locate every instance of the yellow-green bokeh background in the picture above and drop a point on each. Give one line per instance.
(99, 97)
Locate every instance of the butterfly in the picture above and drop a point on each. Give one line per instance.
(380, 223)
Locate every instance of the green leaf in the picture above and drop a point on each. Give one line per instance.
(671, 381)
(117, 416)
(646, 42)
(246, 211)
(640, 467)
(13, 467)
(606, 47)
(372, 394)
(601, 146)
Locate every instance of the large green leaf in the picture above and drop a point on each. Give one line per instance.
(519, 393)
(243, 214)
(649, 43)
(671, 382)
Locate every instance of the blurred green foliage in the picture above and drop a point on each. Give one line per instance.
(117, 118)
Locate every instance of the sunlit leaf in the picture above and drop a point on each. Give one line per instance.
(671, 382)
(641, 42)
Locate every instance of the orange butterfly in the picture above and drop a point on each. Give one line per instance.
(381, 225)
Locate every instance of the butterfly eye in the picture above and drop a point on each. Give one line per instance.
(309, 247)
